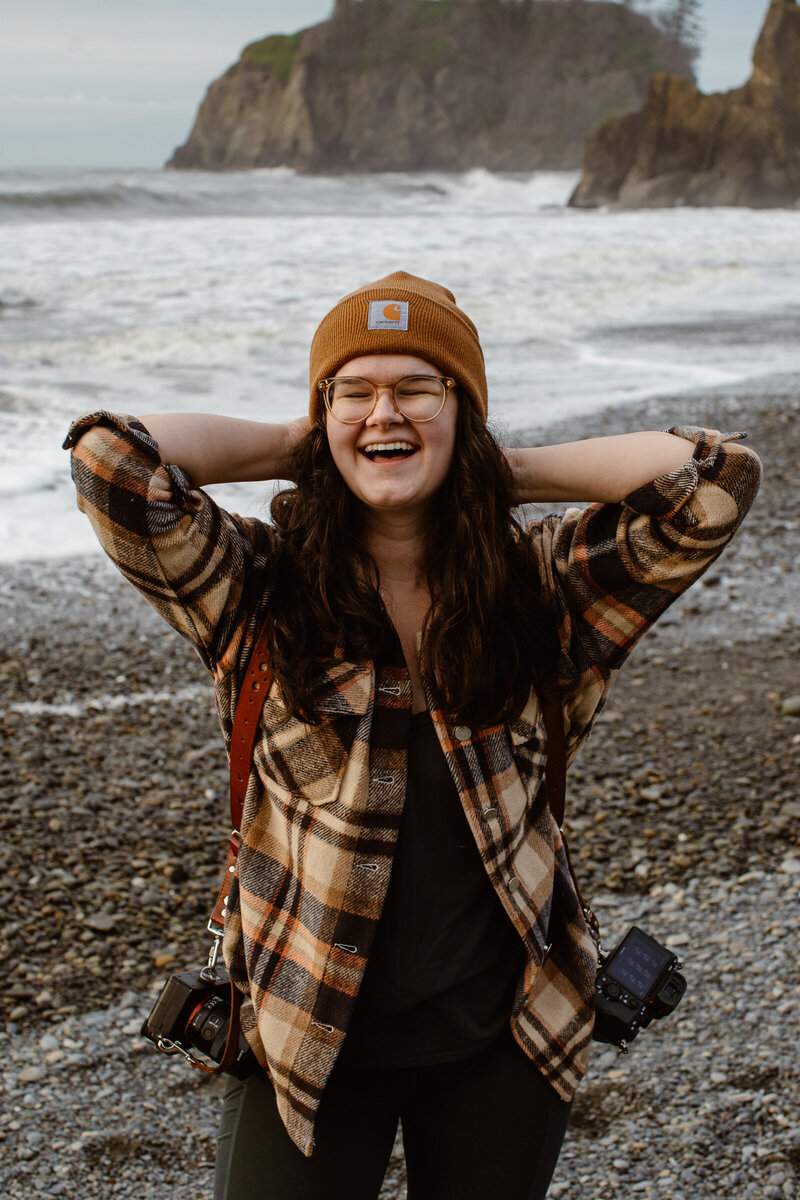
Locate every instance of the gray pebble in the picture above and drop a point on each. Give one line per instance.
(31, 1074)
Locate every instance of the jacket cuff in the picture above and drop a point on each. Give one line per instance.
(125, 424)
(144, 448)
(665, 497)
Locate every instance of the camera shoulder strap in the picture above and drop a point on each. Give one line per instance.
(256, 685)
(555, 777)
(253, 693)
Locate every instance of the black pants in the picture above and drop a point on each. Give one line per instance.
(485, 1126)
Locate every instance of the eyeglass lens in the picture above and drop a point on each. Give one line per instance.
(418, 397)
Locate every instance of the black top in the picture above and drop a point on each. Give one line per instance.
(440, 979)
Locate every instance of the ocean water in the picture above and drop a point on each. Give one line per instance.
(155, 291)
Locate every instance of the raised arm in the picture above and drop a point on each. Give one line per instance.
(207, 571)
(603, 469)
(613, 567)
(213, 449)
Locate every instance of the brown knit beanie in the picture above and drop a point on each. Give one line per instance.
(401, 314)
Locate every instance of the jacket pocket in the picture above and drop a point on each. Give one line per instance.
(304, 761)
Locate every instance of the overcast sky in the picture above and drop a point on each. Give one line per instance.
(101, 83)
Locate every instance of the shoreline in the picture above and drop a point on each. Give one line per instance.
(682, 814)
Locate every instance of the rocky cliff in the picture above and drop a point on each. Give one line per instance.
(735, 148)
(405, 85)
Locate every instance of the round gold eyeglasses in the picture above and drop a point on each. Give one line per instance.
(418, 398)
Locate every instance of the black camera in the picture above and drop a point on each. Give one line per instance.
(193, 1013)
(637, 983)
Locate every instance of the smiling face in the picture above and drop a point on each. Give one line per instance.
(406, 481)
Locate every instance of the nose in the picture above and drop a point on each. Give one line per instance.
(385, 411)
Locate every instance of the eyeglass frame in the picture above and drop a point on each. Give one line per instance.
(325, 384)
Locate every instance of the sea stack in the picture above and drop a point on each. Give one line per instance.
(437, 85)
(683, 147)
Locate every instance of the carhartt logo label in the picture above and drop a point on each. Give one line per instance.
(388, 315)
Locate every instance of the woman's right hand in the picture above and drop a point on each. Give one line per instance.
(215, 449)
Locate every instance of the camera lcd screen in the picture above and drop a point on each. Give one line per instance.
(638, 963)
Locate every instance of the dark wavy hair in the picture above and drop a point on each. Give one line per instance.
(489, 633)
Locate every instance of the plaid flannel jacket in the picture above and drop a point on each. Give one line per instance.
(324, 802)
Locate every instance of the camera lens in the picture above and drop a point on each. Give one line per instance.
(207, 1029)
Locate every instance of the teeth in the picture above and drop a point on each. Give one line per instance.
(375, 446)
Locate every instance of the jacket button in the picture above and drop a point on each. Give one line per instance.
(514, 885)
(488, 813)
(463, 732)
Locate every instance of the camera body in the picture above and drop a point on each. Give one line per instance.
(193, 1013)
(636, 983)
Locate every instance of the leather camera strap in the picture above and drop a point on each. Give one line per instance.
(253, 693)
(555, 776)
(256, 685)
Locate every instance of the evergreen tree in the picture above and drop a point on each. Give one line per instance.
(680, 20)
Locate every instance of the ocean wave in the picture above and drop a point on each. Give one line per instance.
(87, 201)
(271, 192)
(513, 191)
(13, 402)
(53, 195)
(11, 298)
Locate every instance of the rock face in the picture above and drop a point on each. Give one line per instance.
(735, 148)
(404, 85)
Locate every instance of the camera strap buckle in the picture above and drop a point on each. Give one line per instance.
(167, 1046)
(209, 971)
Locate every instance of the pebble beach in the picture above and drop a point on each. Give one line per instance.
(682, 817)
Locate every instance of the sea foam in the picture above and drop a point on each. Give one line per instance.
(155, 291)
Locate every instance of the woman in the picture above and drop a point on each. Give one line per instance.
(404, 928)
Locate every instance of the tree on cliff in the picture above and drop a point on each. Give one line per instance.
(680, 20)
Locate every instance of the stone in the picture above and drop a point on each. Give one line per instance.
(31, 1074)
(790, 707)
(740, 147)
(102, 922)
